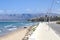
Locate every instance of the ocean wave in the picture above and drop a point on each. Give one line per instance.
(29, 24)
(0, 31)
(13, 26)
(8, 26)
(10, 29)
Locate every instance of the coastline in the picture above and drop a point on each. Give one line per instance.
(16, 35)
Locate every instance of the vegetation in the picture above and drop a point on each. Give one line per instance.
(34, 28)
(46, 18)
(58, 22)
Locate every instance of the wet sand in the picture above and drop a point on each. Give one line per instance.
(16, 35)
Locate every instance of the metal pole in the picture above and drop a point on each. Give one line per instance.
(50, 10)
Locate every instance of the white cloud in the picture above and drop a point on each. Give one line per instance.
(57, 2)
(32, 10)
(2, 11)
(8, 11)
(11, 11)
(38, 10)
(28, 10)
(56, 11)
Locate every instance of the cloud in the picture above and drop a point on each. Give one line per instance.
(8, 11)
(28, 10)
(33, 10)
(57, 2)
(38, 10)
(2, 11)
(56, 11)
(11, 11)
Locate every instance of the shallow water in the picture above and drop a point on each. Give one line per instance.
(6, 27)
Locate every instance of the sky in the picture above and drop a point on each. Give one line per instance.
(28, 6)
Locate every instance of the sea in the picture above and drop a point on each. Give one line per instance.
(7, 27)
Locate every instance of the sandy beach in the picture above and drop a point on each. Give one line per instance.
(16, 35)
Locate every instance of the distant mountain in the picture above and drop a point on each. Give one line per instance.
(23, 17)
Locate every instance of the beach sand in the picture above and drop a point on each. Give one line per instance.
(16, 35)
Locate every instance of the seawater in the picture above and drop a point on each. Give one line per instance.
(6, 27)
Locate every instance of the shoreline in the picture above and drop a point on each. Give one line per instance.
(16, 35)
